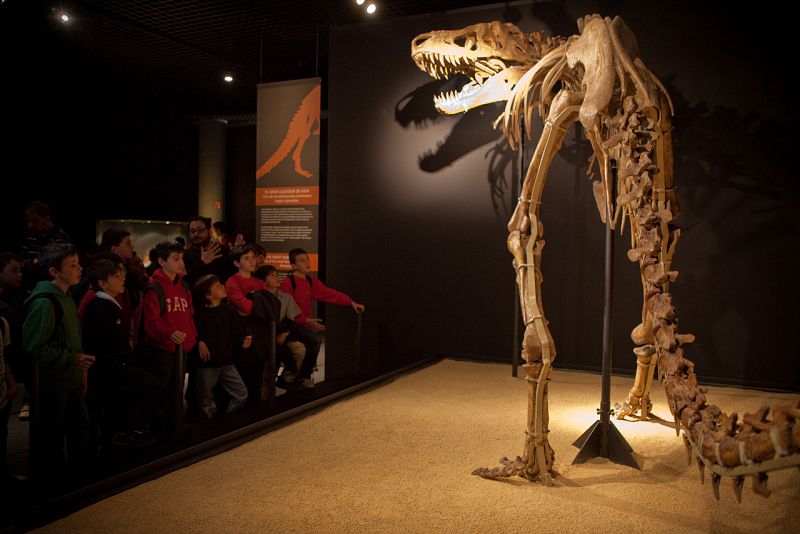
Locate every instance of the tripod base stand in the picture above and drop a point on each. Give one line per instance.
(602, 438)
(593, 444)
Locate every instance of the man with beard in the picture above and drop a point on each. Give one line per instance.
(205, 256)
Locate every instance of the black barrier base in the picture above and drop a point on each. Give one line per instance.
(594, 444)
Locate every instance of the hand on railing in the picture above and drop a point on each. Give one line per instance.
(315, 324)
(178, 337)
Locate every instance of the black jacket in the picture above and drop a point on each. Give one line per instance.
(222, 330)
(267, 307)
(104, 334)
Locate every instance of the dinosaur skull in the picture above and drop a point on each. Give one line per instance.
(493, 55)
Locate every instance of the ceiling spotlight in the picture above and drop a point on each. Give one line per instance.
(63, 17)
(371, 9)
(228, 77)
(360, 2)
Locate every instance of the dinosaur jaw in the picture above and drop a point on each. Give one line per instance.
(491, 79)
(497, 88)
(494, 55)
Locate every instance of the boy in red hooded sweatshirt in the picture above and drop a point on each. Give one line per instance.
(304, 288)
(172, 327)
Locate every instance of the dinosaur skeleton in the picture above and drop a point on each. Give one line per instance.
(597, 78)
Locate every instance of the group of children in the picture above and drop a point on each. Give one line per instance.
(108, 367)
(255, 298)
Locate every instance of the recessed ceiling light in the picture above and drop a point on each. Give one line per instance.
(371, 9)
(228, 78)
(63, 17)
(360, 2)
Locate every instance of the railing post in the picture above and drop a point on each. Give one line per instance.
(357, 344)
(178, 375)
(34, 421)
(271, 366)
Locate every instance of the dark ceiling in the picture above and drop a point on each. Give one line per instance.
(183, 47)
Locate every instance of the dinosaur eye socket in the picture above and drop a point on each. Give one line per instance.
(467, 42)
(419, 40)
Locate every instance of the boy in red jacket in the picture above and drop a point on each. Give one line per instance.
(243, 282)
(240, 288)
(175, 326)
(305, 288)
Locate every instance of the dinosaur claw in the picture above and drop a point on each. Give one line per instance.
(675, 413)
(702, 470)
(688, 450)
(715, 479)
(760, 484)
(738, 482)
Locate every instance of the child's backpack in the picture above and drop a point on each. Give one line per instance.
(57, 309)
(294, 282)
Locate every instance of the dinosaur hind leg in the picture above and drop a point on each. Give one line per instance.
(298, 155)
(538, 349)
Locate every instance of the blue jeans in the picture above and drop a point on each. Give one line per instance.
(228, 376)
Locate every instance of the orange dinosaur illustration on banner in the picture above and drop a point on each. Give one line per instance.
(298, 132)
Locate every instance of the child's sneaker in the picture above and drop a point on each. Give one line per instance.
(307, 383)
(288, 385)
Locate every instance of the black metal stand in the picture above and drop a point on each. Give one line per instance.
(271, 366)
(515, 348)
(357, 346)
(602, 439)
(179, 370)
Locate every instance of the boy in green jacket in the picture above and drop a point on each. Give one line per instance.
(51, 337)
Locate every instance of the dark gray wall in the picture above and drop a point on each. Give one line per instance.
(417, 203)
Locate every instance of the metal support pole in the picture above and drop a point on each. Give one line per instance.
(179, 371)
(271, 366)
(515, 350)
(34, 422)
(602, 438)
(357, 345)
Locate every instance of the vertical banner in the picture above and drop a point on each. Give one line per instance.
(287, 169)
